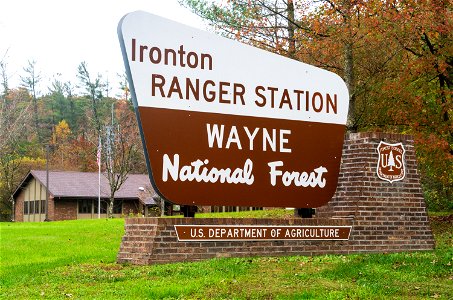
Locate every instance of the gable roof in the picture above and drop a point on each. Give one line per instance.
(64, 184)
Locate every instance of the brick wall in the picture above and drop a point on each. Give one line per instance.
(153, 240)
(63, 210)
(51, 208)
(19, 207)
(385, 217)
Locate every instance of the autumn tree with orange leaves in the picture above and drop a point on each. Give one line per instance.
(422, 91)
(396, 58)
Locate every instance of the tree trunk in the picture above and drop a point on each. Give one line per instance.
(13, 213)
(95, 113)
(348, 67)
(110, 207)
(35, 116)
(291, 29)
(350, 83)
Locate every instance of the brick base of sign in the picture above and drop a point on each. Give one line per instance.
(153, 240)
(385, 217)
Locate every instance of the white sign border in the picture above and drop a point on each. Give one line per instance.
(260, 240)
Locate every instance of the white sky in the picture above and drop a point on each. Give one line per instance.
(60, 34)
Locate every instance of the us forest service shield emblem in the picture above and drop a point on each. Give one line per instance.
(390, 166)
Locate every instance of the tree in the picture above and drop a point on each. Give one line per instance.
(4, 78)
(15, 115)
(395, 56)
(13, 169)
(332, 34)
(68, 90)
(60, 103)
(93, 88)
(421, 92)
(119, 150)
(3, 97)
(124, 87)
(266, 24)
(63, 149)
(30, 82)
(81, 154)
(391, 161)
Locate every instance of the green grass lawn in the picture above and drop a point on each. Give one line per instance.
(76, 260)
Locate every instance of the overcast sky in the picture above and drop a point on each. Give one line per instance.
(59, 35)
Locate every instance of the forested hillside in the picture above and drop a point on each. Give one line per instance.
(65, 121)
(395, 56)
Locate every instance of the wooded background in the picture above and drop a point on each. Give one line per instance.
(396, 58)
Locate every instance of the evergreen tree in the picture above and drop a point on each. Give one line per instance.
(391, 161)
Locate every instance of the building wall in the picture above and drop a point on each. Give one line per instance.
(130, 207)
(19, 207)
(65, 210)
(51, 204)
(127, 207)
(30, 204)
(33, 196)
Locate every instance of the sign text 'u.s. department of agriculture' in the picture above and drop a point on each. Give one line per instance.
(212, 233)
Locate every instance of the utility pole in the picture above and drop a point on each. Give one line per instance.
(98, 158)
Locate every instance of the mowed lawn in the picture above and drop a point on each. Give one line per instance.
(76, 260)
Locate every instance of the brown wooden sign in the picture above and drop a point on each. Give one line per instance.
(225, 123)
(191, 233)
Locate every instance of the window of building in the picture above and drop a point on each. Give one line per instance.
(43, 206)
(103, 206)
(85, 206)
(257, 208)
(117, 207)
(32, 207)
(26, 208)
(37, 207)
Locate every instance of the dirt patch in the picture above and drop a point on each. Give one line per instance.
(441, 224)
(442, 219)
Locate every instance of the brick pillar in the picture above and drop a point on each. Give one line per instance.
(387, 216)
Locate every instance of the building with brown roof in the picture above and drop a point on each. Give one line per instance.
(74, 195)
